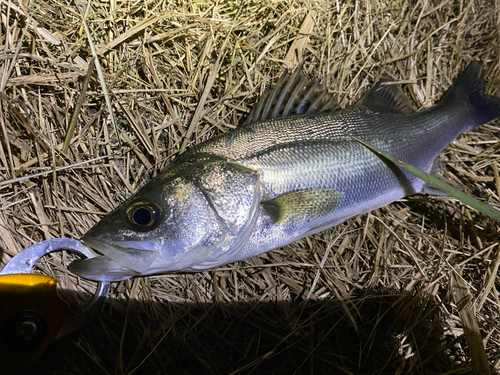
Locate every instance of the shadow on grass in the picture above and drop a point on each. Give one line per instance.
(375, 333)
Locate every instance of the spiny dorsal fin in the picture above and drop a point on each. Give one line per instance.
(295, 94)
(386, 97)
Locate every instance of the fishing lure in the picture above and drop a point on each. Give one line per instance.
(32, 314)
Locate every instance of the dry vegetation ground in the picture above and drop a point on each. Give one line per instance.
(409, 288)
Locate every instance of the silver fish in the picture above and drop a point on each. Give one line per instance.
(290, 171)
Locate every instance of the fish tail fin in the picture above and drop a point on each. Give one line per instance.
(469, 86)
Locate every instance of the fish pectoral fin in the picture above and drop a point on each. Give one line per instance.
(386, 97)
(101, 268)
(302, 206)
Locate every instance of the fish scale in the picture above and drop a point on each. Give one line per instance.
(322, 155)
(274, 180)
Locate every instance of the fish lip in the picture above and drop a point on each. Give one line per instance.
(94, 244)
(104, 247)
(162, 265)
(137, 259)
(147, 258)
(92, 269)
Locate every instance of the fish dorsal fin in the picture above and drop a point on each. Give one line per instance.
(295, 94)
(386, 97)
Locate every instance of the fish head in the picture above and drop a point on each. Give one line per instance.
(191, 217)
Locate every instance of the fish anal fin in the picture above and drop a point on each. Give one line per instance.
(302, 206)
(386, 96)
(437, 167)
(432, 190)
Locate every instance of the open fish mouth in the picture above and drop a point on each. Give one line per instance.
(101, 268)
(121, 260)
(118, 260)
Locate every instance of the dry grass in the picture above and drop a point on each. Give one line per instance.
(409, 288)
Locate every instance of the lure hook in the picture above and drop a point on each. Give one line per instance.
(24, 262)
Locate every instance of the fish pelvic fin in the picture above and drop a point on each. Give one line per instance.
(295, 94)
(385, 95)
(469, 88)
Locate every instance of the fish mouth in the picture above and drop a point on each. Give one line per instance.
(117, 261)
(121, 260)
(101, 269)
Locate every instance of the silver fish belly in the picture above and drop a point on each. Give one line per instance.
(292, 170)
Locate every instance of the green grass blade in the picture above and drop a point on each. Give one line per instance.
(436, 182)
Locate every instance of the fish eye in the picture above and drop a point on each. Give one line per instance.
(144, 215)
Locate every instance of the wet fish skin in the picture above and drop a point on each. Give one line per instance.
(276, 180)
